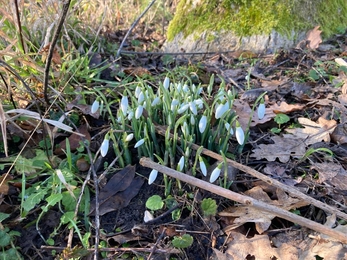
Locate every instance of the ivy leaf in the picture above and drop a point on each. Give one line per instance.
(209, 207)
(183, 241)
(281, 119)
(154, 203)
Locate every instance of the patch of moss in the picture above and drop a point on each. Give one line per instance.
(254, 17)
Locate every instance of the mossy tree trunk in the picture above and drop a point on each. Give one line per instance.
(255, 25)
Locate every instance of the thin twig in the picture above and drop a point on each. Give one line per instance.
(65, 9)
(246, 200)
(20, 31)
(133, 26)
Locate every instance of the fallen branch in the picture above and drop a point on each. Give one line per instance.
(245, 200)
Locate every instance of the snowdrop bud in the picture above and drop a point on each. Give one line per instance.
(199, 90)
(221, 109)
(192, 107)
(152, 176)
(138, 112)
(148, 216)
(129, 137)
(130, 115)
(139, 143)
(229, 128)
(155, 101)
(216, 172)
(240, 135)
(261, 110)
(137, 91)
(193, 88)
(179, 87)
(185, 129)
(141, 98)
(174, 103)
(182, 108)
(199, 103)
(192, 120)
(95, 106)
(124, 104)
(202, 166)
(185, 88)
(202, 124)
(180, 165)
(166, 83)
(104, 146)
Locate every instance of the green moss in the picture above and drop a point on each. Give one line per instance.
(254, 17)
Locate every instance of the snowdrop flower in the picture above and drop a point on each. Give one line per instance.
(261, 109)
(139, 143)
(137, 91)
(199, 91)
(148, 216)
(174, 103)
(180, 165)
(179, 87)
(221, 109)
(141, 98)
(192, 120)
(199, 103)
(202, 166)
(155, 101)
(130, 115)
(95, 106)
(202, 124)
(240, 135)
(138, 112)
(104, 146)
(152, 176)
(129, 137)
(216, 172)
(185, 129)
(182, 108)
(229, 128)
(166, 83)
(124, 104)
(192, 107)
(185, 88)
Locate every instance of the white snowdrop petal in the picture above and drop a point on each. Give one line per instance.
(192, 107)
(141, 98)
(130, 115)
(202, 124)
(104, 147)
(152, 176)
(215, 174)
(182, 108)
(138, 112)
(137, 91)
(202, 167)
(129, 137)
(221, 110)
(192, 120)
(155, 101)
(124, 104)
(148, 216)
(95, 106)
(180, 165)
(229, 128)
(166, 83)
(261, 111)
(240, 135)
(185, 88)
(139, 143)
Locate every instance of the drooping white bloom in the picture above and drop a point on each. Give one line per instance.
(202, 124)
(221, 110)
(192, 107)
(138, 112)
(152, 176)
(124, 105)
(216, 172)
(104, 146)
(229, 128)
(199, 90)
(185, 129)
(130, 115)
(148, 216)
(141, 98)
(174, 103)
(139, 143)
(199, 103)
(166, 83)
(180, 164)
(129, 137)
(179, 87)
(155, 101)
(192, 120)
(182, 108)
(137, 91)
(95, 106)
(240, 135)
(185, 88)
(202, 166)
(261, 110)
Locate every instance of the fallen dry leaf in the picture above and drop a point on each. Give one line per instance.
(314, 38)
(137, 71)
(313, 132)
(333, 174)
(283, 148)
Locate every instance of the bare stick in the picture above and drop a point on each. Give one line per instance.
(291, 190)
(66, 5)
(132, 27)
(245, 200)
